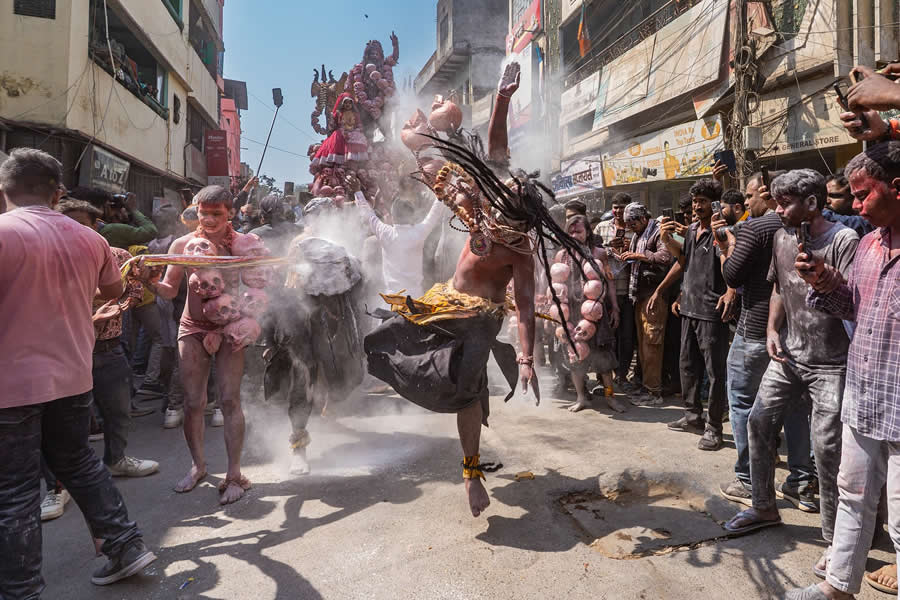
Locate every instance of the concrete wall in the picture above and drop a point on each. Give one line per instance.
(34, 69)
(46, 77)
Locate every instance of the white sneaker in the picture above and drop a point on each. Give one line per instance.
(133, 467)
(218, 419)
(173, 418)
(54, 504)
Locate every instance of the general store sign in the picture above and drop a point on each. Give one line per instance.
(105, 170)
(682, 151)
(523, 32)
(579, 176)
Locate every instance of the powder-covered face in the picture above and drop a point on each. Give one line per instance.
(877, 201)
(213, 217)
(577, 231)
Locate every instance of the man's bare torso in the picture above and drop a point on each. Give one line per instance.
(488, 276)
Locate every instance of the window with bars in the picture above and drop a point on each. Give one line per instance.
(45, 9)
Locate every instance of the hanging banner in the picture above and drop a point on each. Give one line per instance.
(580, 176)
(580, 99)
(682, 56)
(216, 144)
(796, 120)
(523, 32)
(680, 151)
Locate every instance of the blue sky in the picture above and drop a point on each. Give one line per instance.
(278, 43)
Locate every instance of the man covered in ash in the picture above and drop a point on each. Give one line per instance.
(207, 329)
(435, 351)
(314, 345)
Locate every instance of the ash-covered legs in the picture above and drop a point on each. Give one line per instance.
(195, 363)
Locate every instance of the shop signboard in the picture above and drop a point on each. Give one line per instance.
(797, 119)
(684, 150)
(579, 176)
(216, 144)
(580, 99)
(103, 169)
(528, 25)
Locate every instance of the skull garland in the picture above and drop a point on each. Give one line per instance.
(212, 341)
(207, 283)
(221, 310)
(199, 246)
(585, 331)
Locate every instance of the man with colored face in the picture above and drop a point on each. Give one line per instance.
(840, 205)
(809, 354)
(215, 212)
(871, 405)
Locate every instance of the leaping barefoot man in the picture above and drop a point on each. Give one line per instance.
(435, 352)
(214, 236)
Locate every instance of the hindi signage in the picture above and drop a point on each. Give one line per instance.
(580, 176)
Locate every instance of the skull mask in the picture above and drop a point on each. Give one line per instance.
(257, 277)
(200, 247)
(221, 310)
(248, 245)
(207, 283)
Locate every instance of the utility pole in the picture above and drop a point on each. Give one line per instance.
(745, 73)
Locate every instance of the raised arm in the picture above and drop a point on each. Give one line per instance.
(498, 135)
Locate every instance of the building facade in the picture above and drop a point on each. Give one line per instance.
(468, 58)
(122, 92)
(648, 90)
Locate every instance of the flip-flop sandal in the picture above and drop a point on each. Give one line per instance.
(879, 586)
(752, 526)
(808, 593)
(821, 573)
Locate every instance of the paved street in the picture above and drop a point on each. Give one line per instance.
(384, 514)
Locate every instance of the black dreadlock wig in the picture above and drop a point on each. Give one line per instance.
(524, 204)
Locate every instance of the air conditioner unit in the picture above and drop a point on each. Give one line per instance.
(752, 138)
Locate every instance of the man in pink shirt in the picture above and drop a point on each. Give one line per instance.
(51, 268)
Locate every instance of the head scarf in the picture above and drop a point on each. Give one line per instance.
(634, 211)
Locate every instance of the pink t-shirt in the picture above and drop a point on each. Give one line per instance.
(50, 268)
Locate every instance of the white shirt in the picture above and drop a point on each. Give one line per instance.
(402, 247)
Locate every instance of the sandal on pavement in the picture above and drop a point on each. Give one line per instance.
(820, 573)
(753, 522)
(808, 593)
(870, 579)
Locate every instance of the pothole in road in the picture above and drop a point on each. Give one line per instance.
(640, 517)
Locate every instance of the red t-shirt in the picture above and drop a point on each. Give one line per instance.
(50, 268)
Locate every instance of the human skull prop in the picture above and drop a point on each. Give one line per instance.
(413, 130)
(445, 116)
(562, 291)
(248, 244)
(584, 331)
(593, 289)
(554, 312)
(254, 302)
(199, 246)
(590, 273)
(242, 333)
(592, 310)
(559, 273)
(207, 283)
(257, 277)
(221, 310)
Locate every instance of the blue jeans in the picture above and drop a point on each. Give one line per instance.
(58, 430)
(112, 393)
(747, 362)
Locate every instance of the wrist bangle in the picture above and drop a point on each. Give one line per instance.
(525, 360)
